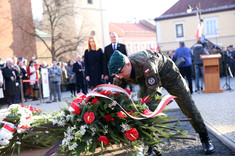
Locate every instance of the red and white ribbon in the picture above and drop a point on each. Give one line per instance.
(158, 111)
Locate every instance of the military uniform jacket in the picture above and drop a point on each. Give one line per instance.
(152, 71)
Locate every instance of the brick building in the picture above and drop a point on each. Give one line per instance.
(136, 36)
(15, 19)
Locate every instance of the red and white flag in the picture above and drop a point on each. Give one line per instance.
(199, 31)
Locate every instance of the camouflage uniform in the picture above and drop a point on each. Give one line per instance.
(152, 71)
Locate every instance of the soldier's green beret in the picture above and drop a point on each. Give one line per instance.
(116, 62)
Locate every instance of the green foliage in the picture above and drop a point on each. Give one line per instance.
(81, 137)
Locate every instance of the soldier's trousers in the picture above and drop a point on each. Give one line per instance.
(184, 100)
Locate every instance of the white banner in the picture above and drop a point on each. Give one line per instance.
(45, 82)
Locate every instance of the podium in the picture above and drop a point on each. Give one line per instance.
(211, 73)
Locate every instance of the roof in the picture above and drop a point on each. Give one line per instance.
(206, 6)
(134, 27)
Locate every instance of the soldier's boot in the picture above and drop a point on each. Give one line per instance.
(206, 144)
(152, 151)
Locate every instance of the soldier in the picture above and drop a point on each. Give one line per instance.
(152, 70)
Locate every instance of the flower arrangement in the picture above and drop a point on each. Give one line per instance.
(103, 117)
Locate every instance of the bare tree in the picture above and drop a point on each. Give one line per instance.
(58, 21)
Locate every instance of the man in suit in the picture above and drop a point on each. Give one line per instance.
(108, 51)
(10, 75)
(79, 70)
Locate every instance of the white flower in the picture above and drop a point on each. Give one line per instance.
(73, 146)
(114, 103)
(88, 142)
(106, 129)
(4, 113)
(5, 137)
(69, 117)
(18, 142)
(125, 127)
(93, 129)
(4, 142)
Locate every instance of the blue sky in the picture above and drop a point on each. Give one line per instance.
(123, 10)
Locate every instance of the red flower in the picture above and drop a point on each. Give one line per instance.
(78, 101)
(94, 100)
(128, 91)
(89, 117)
(75, 108)
(131, 112)
(147, 112)
(121, 114)
(116, 94)
(132, 134)
(107, 117)
(105, 92)
(104, 139)
(80, 98)
(146, 99)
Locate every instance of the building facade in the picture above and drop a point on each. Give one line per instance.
(15, 25)
(136, 36)
(176, 24)
(88, 18)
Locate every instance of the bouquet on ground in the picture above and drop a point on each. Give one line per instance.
(106, 116)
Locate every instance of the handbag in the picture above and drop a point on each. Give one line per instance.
(36, 86)
(180, 61)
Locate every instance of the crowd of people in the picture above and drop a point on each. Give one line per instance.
(76, 76)
(193, 66)
(91, 69)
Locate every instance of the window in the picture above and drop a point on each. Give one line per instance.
(143, 46)
(90, 1)
(179, 30)
(136, 47)
(211, 27)
(129, 48)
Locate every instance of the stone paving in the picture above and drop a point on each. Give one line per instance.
(217, 109)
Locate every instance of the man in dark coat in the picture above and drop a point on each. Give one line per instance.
(152, 70)
(108, 51)
(10, 75)
(79, 70)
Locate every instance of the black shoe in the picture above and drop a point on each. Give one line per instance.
(152, 152)
(208, 147)
(55, 100)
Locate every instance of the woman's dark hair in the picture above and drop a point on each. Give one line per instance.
(31, 62)
(69, 62)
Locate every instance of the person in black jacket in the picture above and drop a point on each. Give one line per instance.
(108, 51)
(78, 69)
(10, 75)
(23, 76)
(94, 66)
(198, 50)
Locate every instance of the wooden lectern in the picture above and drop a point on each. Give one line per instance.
(211, 73)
